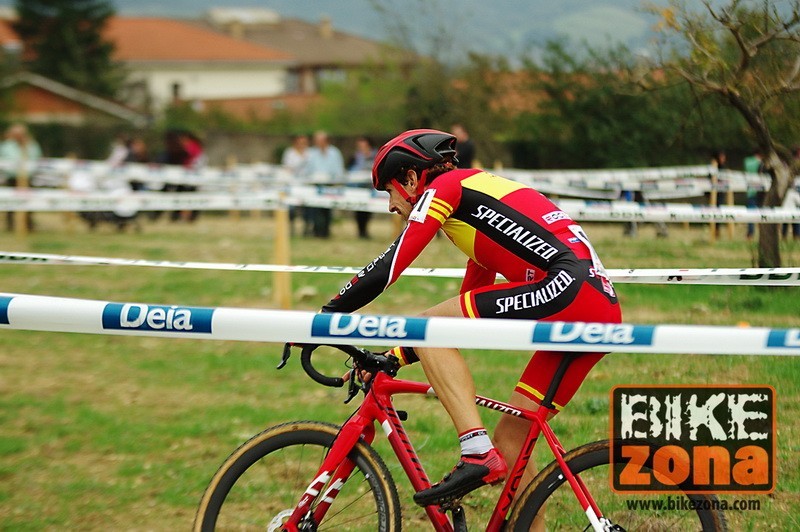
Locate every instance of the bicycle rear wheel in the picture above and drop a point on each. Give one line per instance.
(632, 512)
(259, 485)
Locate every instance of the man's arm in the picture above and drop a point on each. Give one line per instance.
(379, 274)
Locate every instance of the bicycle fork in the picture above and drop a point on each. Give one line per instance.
(333, 473)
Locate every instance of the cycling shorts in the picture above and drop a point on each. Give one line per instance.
(563, 295)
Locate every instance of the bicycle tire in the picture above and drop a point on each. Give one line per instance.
(260, 483)
(592, 462)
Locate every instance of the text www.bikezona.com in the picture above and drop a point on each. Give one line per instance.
(682, 503)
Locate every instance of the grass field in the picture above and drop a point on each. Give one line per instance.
(123, 433)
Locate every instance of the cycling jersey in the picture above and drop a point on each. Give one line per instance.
(551, 270)
(503, 227)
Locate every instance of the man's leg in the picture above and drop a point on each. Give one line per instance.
(452, 381)
(449, 375)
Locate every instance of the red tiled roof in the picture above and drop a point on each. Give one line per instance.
(160, 39)
(7, 34)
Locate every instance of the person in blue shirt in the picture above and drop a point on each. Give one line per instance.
(324, 162)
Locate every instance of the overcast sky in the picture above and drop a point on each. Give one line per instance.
(488, 26)
(496, 26)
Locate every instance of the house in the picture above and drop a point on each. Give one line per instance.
(320, 51)
(176, 61)
(36, 99)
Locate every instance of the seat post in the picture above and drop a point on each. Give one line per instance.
(547, 400)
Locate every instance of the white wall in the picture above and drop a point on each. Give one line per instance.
(203, 81)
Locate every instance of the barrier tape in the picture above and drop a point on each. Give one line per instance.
(364, 200)
(715, 276)
(45, 313)
(599, 179)
(654, 183)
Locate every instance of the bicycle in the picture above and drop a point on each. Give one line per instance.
(309, 475)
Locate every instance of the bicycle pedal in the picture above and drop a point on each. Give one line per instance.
(453, 505)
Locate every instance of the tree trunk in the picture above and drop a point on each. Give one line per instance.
(769, 252)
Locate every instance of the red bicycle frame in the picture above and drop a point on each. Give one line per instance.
(377, 406)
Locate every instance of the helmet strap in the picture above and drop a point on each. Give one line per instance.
(423, 177)
(402, 191)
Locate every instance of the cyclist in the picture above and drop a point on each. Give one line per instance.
(504, 227)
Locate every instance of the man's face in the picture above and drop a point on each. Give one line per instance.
(397, 203)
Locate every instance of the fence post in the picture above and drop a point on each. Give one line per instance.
(21, 217)
(712, 202)
(282, 281)
(230, 165)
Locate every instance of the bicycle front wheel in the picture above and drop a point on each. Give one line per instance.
(551, 496)
(259, 485)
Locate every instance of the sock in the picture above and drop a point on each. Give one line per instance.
(406, 355)
(475, 441)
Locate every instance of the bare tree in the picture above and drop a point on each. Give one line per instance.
(747, 54)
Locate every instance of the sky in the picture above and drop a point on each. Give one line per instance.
(498, 27)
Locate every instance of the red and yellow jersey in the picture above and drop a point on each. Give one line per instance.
(502, 227)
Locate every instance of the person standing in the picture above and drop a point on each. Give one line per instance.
(17, 152)
(324, 160)
(361, 161)
(752, 165)
(295, 160)
(465, 148)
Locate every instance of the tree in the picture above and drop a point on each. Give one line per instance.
(746, 54)
(64, 42)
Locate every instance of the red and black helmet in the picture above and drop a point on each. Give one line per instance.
(418, 148)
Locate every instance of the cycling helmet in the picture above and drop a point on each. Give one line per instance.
(418, 148)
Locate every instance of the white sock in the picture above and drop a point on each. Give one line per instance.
(475, 441)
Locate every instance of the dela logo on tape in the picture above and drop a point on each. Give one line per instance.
(696, 439)
(600, 334)
(157, 318)
(4, 301)
(356, 326)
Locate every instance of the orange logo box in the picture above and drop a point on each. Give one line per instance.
(694, 439)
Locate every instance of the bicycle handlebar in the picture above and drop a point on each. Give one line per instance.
(363, 359)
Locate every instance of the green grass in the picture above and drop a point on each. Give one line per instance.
(104, 432)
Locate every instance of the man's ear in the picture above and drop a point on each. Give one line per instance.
(412, 179)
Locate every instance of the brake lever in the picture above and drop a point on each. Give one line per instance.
(352, 387)
(287, 352)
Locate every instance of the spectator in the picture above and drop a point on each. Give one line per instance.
(295, 157)
(137, 153)
(194, 149)
(465, 148)
(792, 201)
(183, 148)
(295, 160)
(752, 165)
(631, 229)
(324, 160)
(19, 148)
(119, 151)
(362, 161)
(719, 161)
